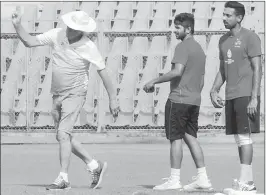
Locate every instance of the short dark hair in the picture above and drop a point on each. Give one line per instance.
(239, 7)
(186, 20)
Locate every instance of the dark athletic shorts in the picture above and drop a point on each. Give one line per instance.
(180, 119)
(237, 120)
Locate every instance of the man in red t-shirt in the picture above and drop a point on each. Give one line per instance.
(182, 107)
(240, 67)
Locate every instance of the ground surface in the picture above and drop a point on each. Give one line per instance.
(133, 168)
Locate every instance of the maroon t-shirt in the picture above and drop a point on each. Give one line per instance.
(236, 52)
(187, 88)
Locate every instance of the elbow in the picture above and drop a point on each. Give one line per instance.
(27, 44)
(30, 42)
(257, 70)
(177, 74)
(256, 66)
(173, 77)
(260, 70)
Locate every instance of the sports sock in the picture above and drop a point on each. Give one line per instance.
(93, 165)
(175, 173)
(246, 174)
(202, 172)
(64, 176)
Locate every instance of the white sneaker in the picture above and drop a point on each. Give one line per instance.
(199, 183)
(171, 184)
(240, 187)
(59, 184)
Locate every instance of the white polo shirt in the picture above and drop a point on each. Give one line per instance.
(71, 62)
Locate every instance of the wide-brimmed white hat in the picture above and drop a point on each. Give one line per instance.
(79, 20)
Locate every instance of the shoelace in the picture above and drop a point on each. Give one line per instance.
(94, 175)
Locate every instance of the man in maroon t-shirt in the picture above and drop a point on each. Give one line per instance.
(182, 107)
(240, 67)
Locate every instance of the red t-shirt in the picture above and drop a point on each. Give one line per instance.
(187, 89)
(236, 52)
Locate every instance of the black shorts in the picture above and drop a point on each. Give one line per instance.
(180, 119)
(237, 119)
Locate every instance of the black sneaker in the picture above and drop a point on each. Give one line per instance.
(59, 184)
(97, 174)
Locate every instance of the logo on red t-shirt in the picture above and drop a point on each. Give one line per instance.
(229, 56)
(238, 43)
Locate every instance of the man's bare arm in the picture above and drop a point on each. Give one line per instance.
(173, 74)
(257, 73)
(26, 38)
(108, 84)
(219, 79)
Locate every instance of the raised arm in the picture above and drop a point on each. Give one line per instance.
(26, 38)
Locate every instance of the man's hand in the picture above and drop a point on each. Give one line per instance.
(114, 108)
(149, 87)
(216, 100)
(252, 108)
(16, 19)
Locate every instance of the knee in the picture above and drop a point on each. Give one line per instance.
(62, 136)
(174, 142)
(243, 139)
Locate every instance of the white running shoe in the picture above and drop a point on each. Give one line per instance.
(171, 184)
(240, 187)
(199, 183)
(59, 184)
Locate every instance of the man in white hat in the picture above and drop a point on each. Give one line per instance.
(72, 54)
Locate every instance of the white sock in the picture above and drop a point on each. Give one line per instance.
(202, 172)
(64, 176)
(246, 174)
(175, 173)
(93, 165)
